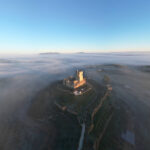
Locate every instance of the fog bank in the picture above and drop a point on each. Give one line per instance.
(22, 76)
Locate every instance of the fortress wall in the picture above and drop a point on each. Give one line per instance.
(80, 84)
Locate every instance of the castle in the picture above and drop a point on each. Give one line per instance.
(75, 82)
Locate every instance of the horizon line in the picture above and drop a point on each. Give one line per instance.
(74, 52)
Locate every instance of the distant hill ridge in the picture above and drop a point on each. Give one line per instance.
(49, 53)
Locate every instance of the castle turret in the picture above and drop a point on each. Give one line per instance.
(79, 76)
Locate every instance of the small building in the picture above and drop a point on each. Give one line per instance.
(75, 82)
(77, 93)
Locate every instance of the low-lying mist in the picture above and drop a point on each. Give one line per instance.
(22, 76)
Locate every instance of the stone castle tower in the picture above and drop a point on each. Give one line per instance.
(76, 82)
(80, 76)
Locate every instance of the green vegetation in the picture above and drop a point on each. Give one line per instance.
(77, 103)
(100, 118)
(85, 104)
(145, 68)
(68, 133)
(114, 130)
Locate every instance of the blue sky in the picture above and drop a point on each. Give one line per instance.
(33, 26)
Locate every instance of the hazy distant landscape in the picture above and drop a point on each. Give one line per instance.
(74, 75)
(21, 77)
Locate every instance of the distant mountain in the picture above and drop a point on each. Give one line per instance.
(49, 53)
(80, 52)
